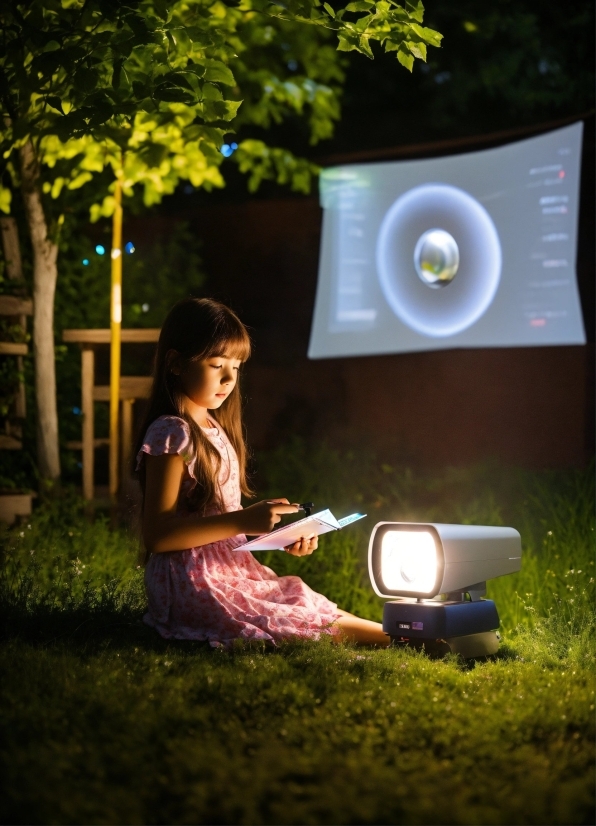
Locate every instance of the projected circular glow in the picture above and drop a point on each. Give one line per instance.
(408, 241)
(436, 258)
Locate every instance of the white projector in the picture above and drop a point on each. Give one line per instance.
(439, 573)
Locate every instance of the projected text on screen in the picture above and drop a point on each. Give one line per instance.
(474, 250)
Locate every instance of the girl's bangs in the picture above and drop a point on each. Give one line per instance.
(234, 344)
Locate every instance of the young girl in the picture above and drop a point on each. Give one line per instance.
(191, 460)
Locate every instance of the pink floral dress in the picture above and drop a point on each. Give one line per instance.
(212, 592)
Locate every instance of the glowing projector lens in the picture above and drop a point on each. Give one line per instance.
(436, 258)
(409, 561)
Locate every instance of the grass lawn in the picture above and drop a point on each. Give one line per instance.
(102, 721)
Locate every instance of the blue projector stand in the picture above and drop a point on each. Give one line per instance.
(438, 620)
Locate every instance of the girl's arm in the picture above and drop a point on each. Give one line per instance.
(165, 530)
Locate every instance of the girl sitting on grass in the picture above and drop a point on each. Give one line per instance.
(191, 460)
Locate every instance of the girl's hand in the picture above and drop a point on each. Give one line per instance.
(304, 546)
(262, 517)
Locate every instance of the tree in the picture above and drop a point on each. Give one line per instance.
(150, 89)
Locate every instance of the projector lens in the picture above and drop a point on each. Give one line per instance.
(436, 258)
(409, 561)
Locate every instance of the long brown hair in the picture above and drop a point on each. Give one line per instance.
(199, 328)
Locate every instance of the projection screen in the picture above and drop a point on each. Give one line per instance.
(474, 250)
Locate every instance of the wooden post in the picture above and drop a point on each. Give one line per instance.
(115, 328)
(11, 247)
(20, 401)
(127, 410)
(87, 383)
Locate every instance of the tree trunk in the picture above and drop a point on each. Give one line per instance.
(45, 272)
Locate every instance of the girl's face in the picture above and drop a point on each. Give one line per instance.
(208, 382)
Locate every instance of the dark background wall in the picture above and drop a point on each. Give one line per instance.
(526, 406)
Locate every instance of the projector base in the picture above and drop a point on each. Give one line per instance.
(465, 628)
(470, 646)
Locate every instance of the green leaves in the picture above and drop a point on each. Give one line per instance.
(172, 93)
(218, 72)
(388, 23)
(153, 154)
(360, 5)
(415, 10)
(85, 79)
(262, 162)
(153, 85)
(55, 103)
(429, 36)
(5, 200)
(405, 57)
(116, 73)
(161, 8)
(214, 108)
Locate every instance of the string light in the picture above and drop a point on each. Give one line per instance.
(100, 249)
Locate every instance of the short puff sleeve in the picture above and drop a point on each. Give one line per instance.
(169, 434)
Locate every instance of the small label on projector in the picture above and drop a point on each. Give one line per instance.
(417, 626)
(404, 625)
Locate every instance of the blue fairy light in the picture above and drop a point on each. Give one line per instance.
(85, 262)
(129, 248)
(100, 249)
(228, 149)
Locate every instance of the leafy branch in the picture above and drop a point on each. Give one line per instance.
(396, 27)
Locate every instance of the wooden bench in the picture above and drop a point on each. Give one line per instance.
(131, 389)
(17, 504)
(19, 309)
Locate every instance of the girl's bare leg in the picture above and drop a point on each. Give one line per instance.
(361, 631)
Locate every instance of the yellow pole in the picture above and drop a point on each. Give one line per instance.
(115, 326)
